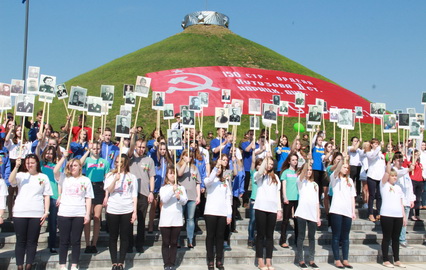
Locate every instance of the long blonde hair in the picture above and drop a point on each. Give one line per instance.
(68, 167)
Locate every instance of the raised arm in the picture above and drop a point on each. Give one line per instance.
(12, 176)
(304, 171)
(58, 166)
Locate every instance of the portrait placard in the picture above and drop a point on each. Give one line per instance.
(377, 109)
(17, 87)
(77, 98)
(4, 89)
(226, 95)
(283, 108)
(334, 115)
(358, 112)
(25, 105)
(309, 127)
(237, 103)
(32, 86)
(194, 103)
(130, 99)
(414, 132)
(254, 123)
(47, 85)
(345, 119)
(142, 86)
(299, 101)
(122, 126)
(183, 108)
(411, 112)
(94, 106)
(158, 99)
(204, 99)
(404, 121)
(389, 123)
(424, 98)
(315, 114)
(46, 99)
(61, 91)
(269, 113)
(420, 118)
(276, 100)
(128, 88)
(168, 112)
(255, 106)
(33, 72)
(125, 110)
(188, 119)
(221, 118)
(235, 116)
(174, 139)
(105, 108)
(5, 102)
(107, 93)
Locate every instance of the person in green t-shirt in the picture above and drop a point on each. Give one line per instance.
(95, 168)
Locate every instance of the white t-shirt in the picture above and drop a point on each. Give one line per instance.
(308, 200)
(219, 195)
(376, 164)
(73, 196)
(171, 212)
(3, 193)
(343, 196)
(355, 157)
(268, 196)
(125, 193)
(391, 200)
(406, 185)
(31, 191)
(14, 149)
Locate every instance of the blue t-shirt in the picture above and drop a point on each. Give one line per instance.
(215, 143)
(317, 153)
(247, 155)
(285, 151)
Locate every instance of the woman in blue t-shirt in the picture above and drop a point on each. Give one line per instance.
(281, 152)
(318, 165)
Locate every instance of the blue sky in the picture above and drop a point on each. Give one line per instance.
(376, 49)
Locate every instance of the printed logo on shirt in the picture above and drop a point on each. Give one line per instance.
(318, 150)
(123, 186)
(75, 189)
(49, 167)
(294, 175)
(95, 165)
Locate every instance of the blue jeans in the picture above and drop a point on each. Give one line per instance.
(340, 226)
(404, 228)
(189, 212)
(252, 222)
(52, 223)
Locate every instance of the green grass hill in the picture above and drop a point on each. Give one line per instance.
(196, 46)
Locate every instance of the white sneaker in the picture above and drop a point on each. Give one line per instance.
(74, 268)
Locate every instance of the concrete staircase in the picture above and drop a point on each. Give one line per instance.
(365, 239)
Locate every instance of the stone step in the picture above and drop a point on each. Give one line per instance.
(363, 255)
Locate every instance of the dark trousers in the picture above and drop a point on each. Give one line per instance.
(287, 212)
(170, 237)
(374, 194)
(118, 225)
(142, 210)
(265, 225)
(417, 190)
(312, 228)
(70, 230)
(391, 228)
(215, 226)
(27, 232)
(354, 173)
(319, 179)
(235, 213)
(341, 227)
(246, 195)
(52, 223)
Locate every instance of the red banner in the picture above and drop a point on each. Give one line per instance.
(245, 83)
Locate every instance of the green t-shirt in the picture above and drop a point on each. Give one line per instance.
(96, 169)
(47, 169)
(253, 185)
(290, 177)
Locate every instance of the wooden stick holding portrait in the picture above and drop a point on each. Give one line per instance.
(137, 111)
(70, 132)
(42, 117)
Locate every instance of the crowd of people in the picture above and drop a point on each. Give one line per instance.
(45, 179)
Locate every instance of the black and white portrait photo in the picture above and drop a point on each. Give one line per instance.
(269, 113)
(221, 117)
(320, 102)
(4, 89)
(168, 112)
(33, 72)
(254, 123)
(234, 116)
(420, 118)
(142, 86)
(125, 110)
(174, 139)
(358, 112)
(411, 112)
(5, 103)
(204, 99)
(94, 106)
(122, 126)
(404, 120)
(377, 109)
(17, 87)
(315, 114)
(25, 105)
(158, 99)
(226, 95)
(107, 93)
(77, 98)
(414, 132)
(424, 98)
(334, 115)
(255, 106)
(188, 119)
(130, 99)
(299, 100)
(194, 103)
(128, 88)
(61, 91)
(32, 86)
(47, 85)
(283, 109)
(276, 100)
(345, 119)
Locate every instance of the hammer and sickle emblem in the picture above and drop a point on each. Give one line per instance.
(207, 85)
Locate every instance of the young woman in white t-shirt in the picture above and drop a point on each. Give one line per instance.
(342, 211)
(307, 214)
(3, 195)
(121, 207)
(267, 210)
(75, 201)
(392, 215)
(173, 197)
(31, 207)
